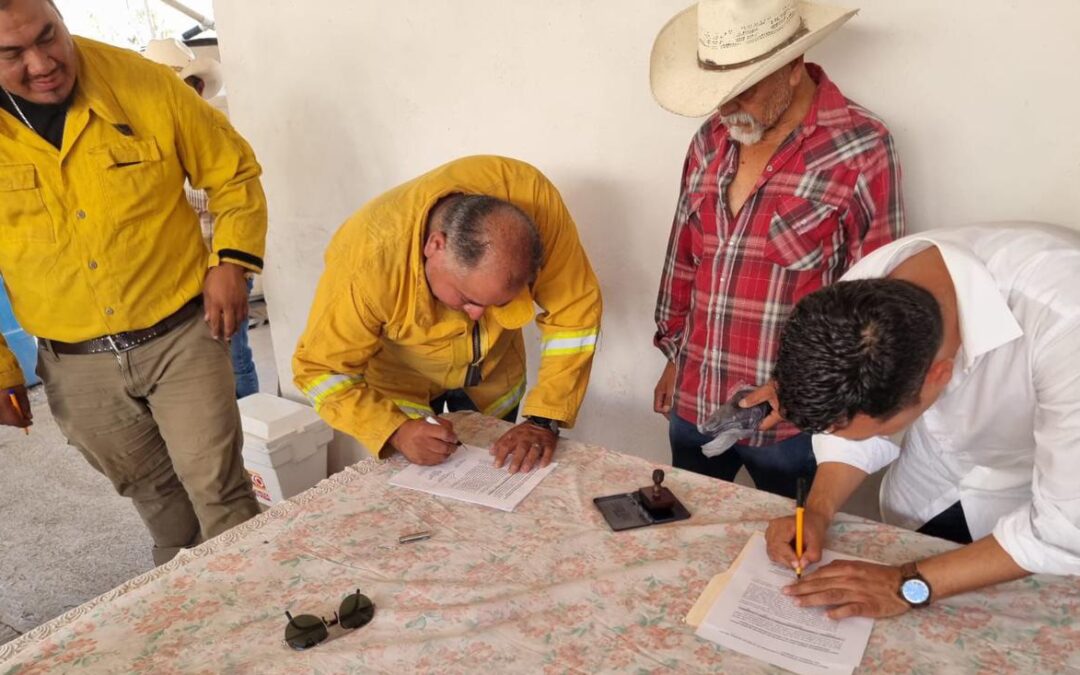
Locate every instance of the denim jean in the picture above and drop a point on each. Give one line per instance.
(774, 468)
(456, 399)
(247, 380)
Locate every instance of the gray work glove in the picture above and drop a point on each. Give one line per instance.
(730, 423)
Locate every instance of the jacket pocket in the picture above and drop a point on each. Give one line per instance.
(132, 179)
(23, 216)
(796, 232)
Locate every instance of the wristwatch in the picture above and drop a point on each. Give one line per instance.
(544, 423)
(914, 588)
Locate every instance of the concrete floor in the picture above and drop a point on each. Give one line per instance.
(65, 535)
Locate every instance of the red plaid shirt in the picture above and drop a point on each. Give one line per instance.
(829, 195)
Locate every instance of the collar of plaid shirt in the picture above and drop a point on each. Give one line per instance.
(829, 195)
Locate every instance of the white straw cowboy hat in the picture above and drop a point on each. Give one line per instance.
(713, 51)
(182, 60)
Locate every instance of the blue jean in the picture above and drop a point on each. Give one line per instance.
(774, 468)
(247, 380)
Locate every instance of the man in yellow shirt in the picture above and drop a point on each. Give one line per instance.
(421, 306)
(104, 261)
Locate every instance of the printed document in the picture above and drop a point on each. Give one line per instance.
(470, 476)
(752, 616)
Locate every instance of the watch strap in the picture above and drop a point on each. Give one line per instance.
(544, 423)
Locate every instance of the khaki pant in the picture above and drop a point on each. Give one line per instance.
(161, 422)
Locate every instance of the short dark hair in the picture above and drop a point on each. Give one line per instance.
(856, 347)
(468, 238)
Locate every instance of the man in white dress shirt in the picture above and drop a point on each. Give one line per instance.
(969, 339)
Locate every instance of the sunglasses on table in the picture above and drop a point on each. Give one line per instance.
(307, 630)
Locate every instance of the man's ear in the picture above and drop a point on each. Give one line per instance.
(939, 374)
(435, 243)
(797, 72)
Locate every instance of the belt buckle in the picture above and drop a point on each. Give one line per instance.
(124, 342)
(113, 345)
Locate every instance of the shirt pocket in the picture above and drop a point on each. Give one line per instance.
(132, 179)
(23, 216)
(796, 232)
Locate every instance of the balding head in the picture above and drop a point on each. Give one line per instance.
(489, 232)
(480, 252)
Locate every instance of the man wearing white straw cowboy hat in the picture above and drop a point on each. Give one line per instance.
(785, 185)
(201, 72)
(104, 262)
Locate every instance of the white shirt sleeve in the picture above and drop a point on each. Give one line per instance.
(1043, 537)
(870, 455)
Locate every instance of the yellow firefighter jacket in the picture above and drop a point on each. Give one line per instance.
(379, 347)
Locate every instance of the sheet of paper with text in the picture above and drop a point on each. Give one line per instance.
(753, 617)
(469, 476)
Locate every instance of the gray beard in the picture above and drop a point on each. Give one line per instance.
(737, 134)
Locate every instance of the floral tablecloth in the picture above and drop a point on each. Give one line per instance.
(547, 588)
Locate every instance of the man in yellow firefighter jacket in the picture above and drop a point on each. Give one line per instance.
(421, 305)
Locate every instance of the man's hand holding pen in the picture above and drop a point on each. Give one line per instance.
(15, 409)
(780, 539)
(845, 587)
(426, 441)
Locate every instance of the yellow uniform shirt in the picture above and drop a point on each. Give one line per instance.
(97, 238)
(379, 347)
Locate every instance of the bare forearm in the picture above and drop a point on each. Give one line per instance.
(983, 563)
(833, 485)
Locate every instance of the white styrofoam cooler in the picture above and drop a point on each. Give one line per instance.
(284, 446)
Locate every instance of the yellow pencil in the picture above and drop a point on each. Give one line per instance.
(18, 409)
(800, 507)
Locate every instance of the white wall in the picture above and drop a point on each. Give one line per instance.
(343, 99)
(129, 23)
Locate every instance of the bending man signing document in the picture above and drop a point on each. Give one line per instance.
(966, 338)
(421, 306)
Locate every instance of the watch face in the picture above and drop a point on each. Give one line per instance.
(915, 591)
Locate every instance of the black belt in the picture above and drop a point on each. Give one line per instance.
(122, 342)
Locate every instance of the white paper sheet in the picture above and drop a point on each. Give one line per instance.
(469, 476)
(753, 617)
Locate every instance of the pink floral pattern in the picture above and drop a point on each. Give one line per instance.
(547, 588)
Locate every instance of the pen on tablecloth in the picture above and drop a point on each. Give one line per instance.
(415, 536)
(18, 408)
(431, 420)
(800, 507)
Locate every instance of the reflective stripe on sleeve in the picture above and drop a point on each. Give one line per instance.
(571, 342)
(329, 384)
(412, 409)
(507, 401)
